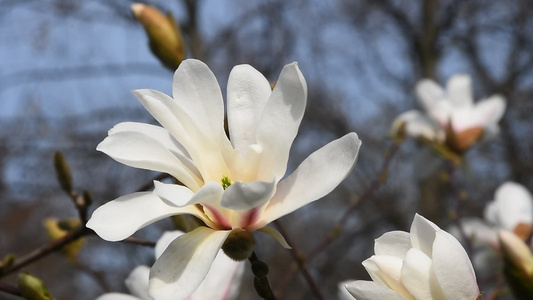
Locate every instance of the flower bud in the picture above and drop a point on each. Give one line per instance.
(57, 229)
(6, 262)
(164, 36)
(461, 141)
(63, 172)
(32, 288)
(239, 245)
(518, 264)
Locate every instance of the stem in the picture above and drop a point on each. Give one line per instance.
(301, 263)
(43, 251)
(10, 289)
(261, 283)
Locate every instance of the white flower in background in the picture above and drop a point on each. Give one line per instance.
(451, 114)
(512, 205)
(221, 283)
(426, 264)
(233, 186)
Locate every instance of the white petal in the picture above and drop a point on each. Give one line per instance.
(204, 150)
(275, 234)
(139, 150)
(120, 218)
(429, 93)
(247, 195)
(185, 263)
(453, 268)
(418, 125)
(248, 93)
(196, 90)
(342, 292)
(316, 176)
(393, 243)
(117, 296)
(387, 270)
(368, 290)
(174, 193)
(423, 234)
(164, 241)
(476, 231)
(280, 121)
(137, 282)
(222, 281)
(459, 89)
(488, 112)
(418, 276)
(162, 136)
(513, 205)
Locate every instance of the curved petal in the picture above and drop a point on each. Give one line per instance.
(275, 234)
(316, 176)
(139, 150)
(368, 290)
(164, 241)
(418, 125)
(459, 89)
(280, 121)
(183, 266)
(423, 234)
(222, 281)
(393, 243)
(120, 218)
(162, 136)
(342, 292)
(137, 282)
(196, 90)
(453, 268)
(488, 112)
(387, 270)
(476, 231)
(248, 93)
(418, 276)
(117, 296)
(204, 150)
(429, 93)
(247, 195)
(174, 193)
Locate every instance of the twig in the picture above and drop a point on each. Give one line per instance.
(47, 249)
(138, 241)
(261, 283)
(10, 289)
(301, 263)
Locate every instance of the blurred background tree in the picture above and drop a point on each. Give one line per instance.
(67, 67)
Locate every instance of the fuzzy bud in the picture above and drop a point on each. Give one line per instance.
(164, 36)
(239, 245)
(32, 288)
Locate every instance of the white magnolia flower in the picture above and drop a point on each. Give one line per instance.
(512, 205)
(426, 264)
(453, 109)
(221, 283)
(229, 184)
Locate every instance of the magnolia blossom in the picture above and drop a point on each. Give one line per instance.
(426, 264)
(512, 206)
(221, 283)
(451, 114)
(231, 185)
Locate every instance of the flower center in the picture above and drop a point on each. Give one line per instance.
(226, 182)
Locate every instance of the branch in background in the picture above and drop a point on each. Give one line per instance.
(328, 239)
